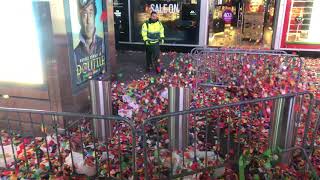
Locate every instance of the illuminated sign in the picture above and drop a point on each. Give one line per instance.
(314, 23)
(165, 8)
(20, 60)
(227, 16)
(117, 13)
(303, 25)
(193, 13)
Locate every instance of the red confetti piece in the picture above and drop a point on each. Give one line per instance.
(221, 125)
(194, 166)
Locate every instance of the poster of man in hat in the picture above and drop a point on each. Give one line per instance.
(87, 38)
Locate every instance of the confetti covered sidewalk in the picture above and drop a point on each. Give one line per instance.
(142, 96)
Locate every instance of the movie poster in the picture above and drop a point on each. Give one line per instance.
(86, 36)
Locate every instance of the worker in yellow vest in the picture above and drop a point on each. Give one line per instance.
(153, 34)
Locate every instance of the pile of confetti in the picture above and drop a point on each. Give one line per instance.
(78, 152)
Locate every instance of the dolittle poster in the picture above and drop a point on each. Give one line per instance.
(86, 39)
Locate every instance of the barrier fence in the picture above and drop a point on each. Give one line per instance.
(315, 142)
(39, 144)
(235, 67)
(240, 138)
(220, 136)
(239, 50)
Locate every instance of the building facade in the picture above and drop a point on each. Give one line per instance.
(218, 23)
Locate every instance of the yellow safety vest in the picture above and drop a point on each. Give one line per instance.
(152, 32)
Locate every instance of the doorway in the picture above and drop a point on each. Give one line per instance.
(241, 23)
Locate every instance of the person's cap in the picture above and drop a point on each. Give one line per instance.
(85, 3)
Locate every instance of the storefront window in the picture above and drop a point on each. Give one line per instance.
(121, 20)
(303, 24)
(180, 19)
(245, 23)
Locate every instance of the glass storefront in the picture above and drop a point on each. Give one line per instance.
(121, 17)
(180, 19)
(224, 23)
(241, 23)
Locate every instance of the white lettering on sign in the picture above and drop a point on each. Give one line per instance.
(228, 15)
(165, 8)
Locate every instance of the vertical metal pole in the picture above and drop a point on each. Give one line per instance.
(204, 20)
(179, 100)
(278, 23)
(283, 125)
(100, 96)
(129, 15)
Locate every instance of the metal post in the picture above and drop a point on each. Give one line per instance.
(179, 100)
(283, 125)
(100, 96)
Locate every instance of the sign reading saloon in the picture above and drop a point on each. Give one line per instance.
(165, 7)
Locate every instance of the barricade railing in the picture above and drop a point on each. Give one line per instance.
(199, 49)
(222, 137)
(315, 139)
(41, 143)
(238, 67)
(37, 144)
(316, 130)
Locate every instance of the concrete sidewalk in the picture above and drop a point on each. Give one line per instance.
(131, 65)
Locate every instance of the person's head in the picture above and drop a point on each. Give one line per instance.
(87, 14)
(154, 16)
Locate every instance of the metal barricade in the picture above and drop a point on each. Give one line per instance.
(36, 144)
(239, 67)
(196, 50)
(227, 138)
(315, 139)
(42, 144)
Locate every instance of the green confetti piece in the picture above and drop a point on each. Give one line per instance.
(267, 153)
(152, 80)
(124, 165)
(267, 165)
(314, 175)
(254, 73)
(241, 168)
(156, 154)
(130, 93)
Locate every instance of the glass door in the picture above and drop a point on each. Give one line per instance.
(241, 23)
(223, 23)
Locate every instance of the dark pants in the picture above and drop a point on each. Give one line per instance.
(152, 55)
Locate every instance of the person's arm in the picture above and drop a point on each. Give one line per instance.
(144, 32)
